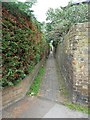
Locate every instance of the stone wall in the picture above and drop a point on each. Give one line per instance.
(72, 57)
(15, 93)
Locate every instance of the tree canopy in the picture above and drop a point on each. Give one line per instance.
(61, 19)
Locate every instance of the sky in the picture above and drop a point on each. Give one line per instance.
(40, 8)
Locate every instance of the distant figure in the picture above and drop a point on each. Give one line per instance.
(51, 48)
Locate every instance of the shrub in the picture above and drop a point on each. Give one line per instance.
(22, 44)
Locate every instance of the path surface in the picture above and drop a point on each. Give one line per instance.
(50, 86)
(46, 104)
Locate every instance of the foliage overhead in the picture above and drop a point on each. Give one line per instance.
(61, 19)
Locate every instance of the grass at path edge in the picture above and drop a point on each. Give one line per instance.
(34, 88)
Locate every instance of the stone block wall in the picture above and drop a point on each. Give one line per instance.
(72, 57)
(15, 93)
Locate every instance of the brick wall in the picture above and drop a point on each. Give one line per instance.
(72, 57)
(13, 94)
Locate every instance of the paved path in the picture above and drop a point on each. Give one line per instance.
(45, 105)
(50, 86)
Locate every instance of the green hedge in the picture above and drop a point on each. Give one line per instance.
(21, 48)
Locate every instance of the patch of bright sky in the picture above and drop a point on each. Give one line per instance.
(41, 7)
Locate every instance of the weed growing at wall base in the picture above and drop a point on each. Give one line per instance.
(78, 107)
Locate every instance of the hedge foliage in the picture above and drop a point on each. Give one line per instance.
(23, 44)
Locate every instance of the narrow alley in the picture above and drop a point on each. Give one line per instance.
(47, 103)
